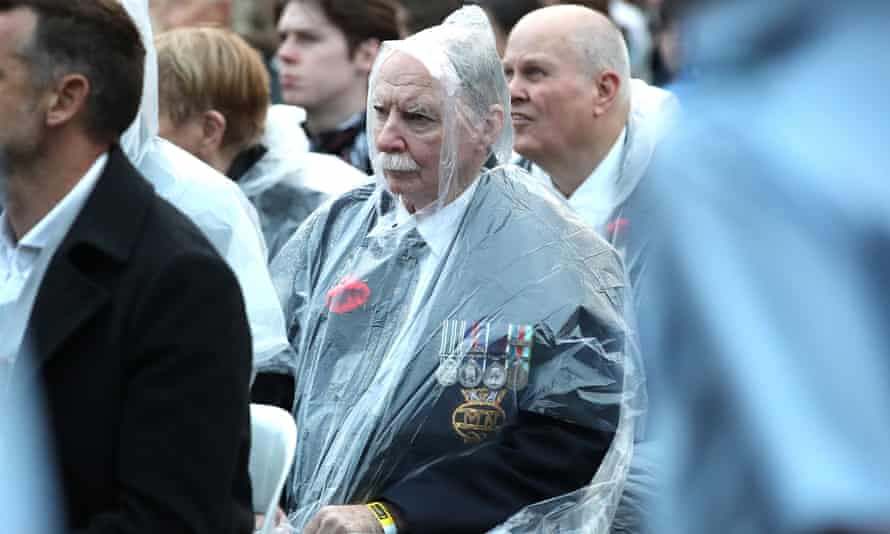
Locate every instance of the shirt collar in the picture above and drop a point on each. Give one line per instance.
(439, 227)
(594, 198)
(11, 258)
(604, 176)
(54, 225)
(7, 241)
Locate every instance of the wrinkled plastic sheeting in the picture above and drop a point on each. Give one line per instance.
(227, 219)
(289, 182)
(591, 509)
(370, 372)
(215, 204)
(136, 140)
(274, 188)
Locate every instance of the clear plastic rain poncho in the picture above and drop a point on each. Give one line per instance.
(470, 359)
(212, 202)
(289, 182)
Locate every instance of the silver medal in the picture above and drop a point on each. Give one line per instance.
(446, 373)
(470, 374)
(517, 377)
(495, 376)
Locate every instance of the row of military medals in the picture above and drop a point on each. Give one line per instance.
(464, 356)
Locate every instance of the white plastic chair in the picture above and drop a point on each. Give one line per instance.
(273, 437)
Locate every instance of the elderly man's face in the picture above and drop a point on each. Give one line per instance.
(19, 99)
(408, 129)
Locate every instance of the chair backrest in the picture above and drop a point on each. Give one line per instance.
(273, 437)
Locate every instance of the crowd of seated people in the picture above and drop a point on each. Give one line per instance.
(507, 265)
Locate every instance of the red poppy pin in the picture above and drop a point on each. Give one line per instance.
(618, 225)
(349, 293)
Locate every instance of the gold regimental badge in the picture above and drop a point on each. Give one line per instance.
(480, 416)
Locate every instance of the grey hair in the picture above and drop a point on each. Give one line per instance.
(602, 48)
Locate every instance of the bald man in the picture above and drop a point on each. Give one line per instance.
(584, 127)
(582, 124)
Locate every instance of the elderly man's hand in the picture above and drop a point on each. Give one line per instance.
(344, 520)
(281, 524)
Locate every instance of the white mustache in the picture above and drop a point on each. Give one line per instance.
(399, 162)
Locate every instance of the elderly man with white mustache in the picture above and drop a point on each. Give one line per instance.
(462, 351)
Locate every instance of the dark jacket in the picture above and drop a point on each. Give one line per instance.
(451, 457)
(142, 346)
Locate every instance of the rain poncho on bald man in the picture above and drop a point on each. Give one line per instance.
(213, 203)
(469, 359)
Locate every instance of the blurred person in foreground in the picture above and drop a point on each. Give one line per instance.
(28, 485)
(326, 53)
(214, 203)
(768, 299)
(214, 103)
(139, 339)
(583, 125)
(460, 334)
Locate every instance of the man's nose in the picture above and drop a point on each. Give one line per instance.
(288, 52)
(517, 89)
(389, 136)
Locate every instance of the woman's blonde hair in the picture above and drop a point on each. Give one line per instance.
(206, 68)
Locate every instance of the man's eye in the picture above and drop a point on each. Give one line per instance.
(534, 73)
(379, 110)
(417, 117)
(306, 38)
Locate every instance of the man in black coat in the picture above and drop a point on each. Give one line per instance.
(111, 301)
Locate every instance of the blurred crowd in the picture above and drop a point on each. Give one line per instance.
(508, 266)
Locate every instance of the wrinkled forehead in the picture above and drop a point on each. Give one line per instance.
(404, 77)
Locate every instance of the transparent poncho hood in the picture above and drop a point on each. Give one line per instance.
(460, 56)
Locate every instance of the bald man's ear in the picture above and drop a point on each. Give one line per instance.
(67, 100)
(365, 54)
(607, 89)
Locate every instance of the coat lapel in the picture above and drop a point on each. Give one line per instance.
(99, 241)
(74, 300)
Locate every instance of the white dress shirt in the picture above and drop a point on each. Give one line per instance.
(594, 198)
(23, 264)
(438, 230)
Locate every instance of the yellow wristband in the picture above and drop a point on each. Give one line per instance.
(383, 517)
